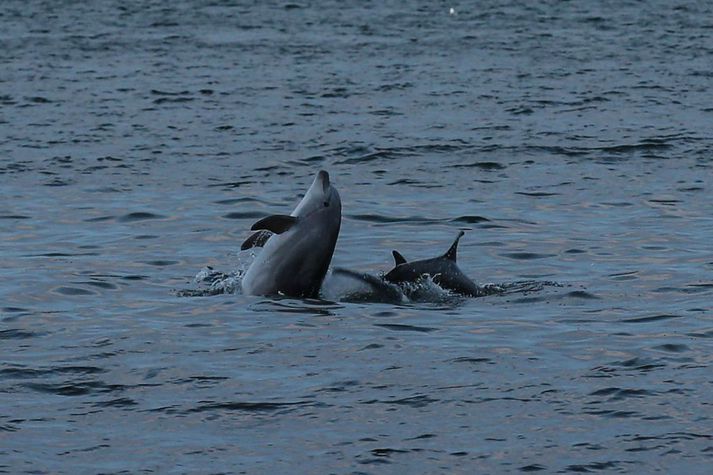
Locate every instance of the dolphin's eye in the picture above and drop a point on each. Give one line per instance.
(326, 204)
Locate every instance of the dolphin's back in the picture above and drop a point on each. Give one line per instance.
(444, 272)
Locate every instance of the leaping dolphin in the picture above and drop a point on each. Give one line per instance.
(443, 270)
(298, 248)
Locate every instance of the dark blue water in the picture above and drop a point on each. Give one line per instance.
(570, 140)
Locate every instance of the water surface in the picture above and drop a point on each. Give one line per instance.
(572, 142)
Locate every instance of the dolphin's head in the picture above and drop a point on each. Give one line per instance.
(321, 197)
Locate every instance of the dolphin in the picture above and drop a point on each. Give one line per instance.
(442, 269)
(379, 290)
(298, 248)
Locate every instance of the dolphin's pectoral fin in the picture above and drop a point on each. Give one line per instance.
(451, 253)
(277, 223)
(257, 239)
(398, 258)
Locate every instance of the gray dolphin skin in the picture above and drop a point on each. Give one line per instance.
(443, 270)
(298, 248)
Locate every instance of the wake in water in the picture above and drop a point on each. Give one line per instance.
(350, 286)
(213, 282)
(344, 285)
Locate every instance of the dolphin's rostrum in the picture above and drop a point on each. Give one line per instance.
(298, 248)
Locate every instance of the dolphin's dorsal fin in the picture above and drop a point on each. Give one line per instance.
(451, 253)
(257, 239)
(398, 258)
(277, 223)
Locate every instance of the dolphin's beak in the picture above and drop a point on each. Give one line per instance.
(323, 177)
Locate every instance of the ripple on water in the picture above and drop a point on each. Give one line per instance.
(471, 360)
(17, 334)
(73, 291)
(24, 373)
(652, 318)
(616, 394)
(254, 407)
(405, 328)
(673, 348)
(537, 194)
(162, 263)
(533, 468)
(118, 402)
(526, 255)
(139, 216)
(243, 215)
(640, 364)
(417, 401)
(470, 219)
(487, 166)
(80, 388)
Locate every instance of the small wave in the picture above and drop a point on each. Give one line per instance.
(99, 219)
(614, 414)
(63, 254)
(139, 216)
(382, 219)
(27, 373)
(161, 263)
(99, 284)
(387, 452)
(634, 364)
(581, 294)
(673, 348)
(233, 201)
(73, 291)
(412, 401)
(535, 467)
(376, 155)
(654, 318)
(230, 184)
(471, 360)
(158, 92)
(163, 100)
(617, 394)
(75, 389)
(294, 306)
(526, 255)
(488, 166)
(405, 328)
(243, 215)
(470, 219)
(119, 402)
(537, 194)
(14, 309)
(611, 466)
(17, 334)
(702, 334)
(248, 406)
(645, 146)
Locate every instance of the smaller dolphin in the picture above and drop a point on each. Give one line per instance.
(298, 248)
(443, 270)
